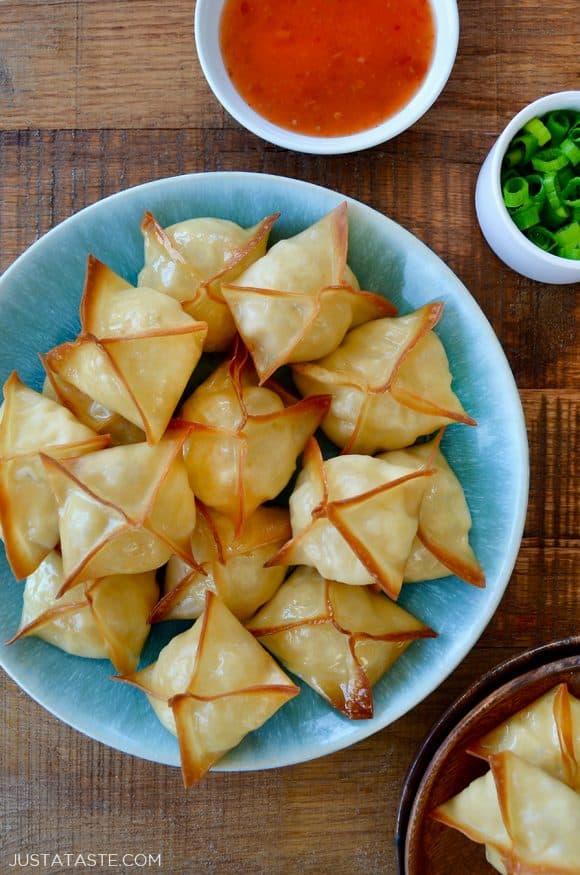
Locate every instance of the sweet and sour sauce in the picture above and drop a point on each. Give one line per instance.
(327, 67)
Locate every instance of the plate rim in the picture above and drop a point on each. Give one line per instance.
(365, 729)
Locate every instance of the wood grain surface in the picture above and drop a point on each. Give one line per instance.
(98, 95)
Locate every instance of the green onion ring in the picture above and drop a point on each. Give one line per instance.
(554, 218)
(538, 130)
(558, 124)
(527, 143)
(536, 188)
(542, 238)
(526, 216)
(571, 192)
(549, 160)
(570, 147)
(569, 235)
(516, 193)
(569, 252)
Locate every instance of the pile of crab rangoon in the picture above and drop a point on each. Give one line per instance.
(526, 809)
(112, 485)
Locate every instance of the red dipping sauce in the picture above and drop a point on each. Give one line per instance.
(327, 67)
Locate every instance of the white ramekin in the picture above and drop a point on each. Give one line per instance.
(207, 26)
(498, 228)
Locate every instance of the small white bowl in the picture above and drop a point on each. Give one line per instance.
(207, 40)
(498, 228)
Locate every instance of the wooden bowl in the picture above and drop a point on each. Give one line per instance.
(442, 767)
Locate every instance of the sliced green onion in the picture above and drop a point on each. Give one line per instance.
(554, 218)
(558, 124)
(553, 190)
(542, 238)
(516, 193)
(540, 188)
(513, 156)
(536, 188)
(569, 235)
(569, 252)
(538, 130)
(564, 176)
(549, 160)
(571, 192)
(526, 216)
(527, 143)
(508, 174)
(570, 147)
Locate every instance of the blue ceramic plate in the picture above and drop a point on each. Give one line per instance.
(39, 297)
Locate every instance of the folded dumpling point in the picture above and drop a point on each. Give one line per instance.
(90, 412)
(230, 565)
(339, 639)
(441, 546)
(190, 260)
(136, 352)
(212, 685)
(244, 442)
(354, 518)
(546, 733)
(297, 302)
(124, 510)
(106, 618)
(390, 384)
(31, 424)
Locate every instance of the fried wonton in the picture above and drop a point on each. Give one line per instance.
(212, 685)
(546, 733)
(530, 820)
(297, 302)
(191, 260)
(230, 565)
(31, 424)
(136, 352)
(441, 546)
(106, 618)
(354, 518)
(244, 444)
(339, 639)
(90, 412)
(390, 383)
(123, 510)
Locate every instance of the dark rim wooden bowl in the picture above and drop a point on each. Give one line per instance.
(442, 768)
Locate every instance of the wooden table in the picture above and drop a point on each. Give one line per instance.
(98, 95)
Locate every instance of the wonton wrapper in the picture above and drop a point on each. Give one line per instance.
(441, 545)
(528, 818)
(101, 619)
(123, 510)
(297, 302)
(190, 260)
(546, 733)
(136, 352)
(244, 444)
(390, 383)
(89, 412)
(31, 424)
(339, 639)
(211, 686)
(354, 518)
(233, 565)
